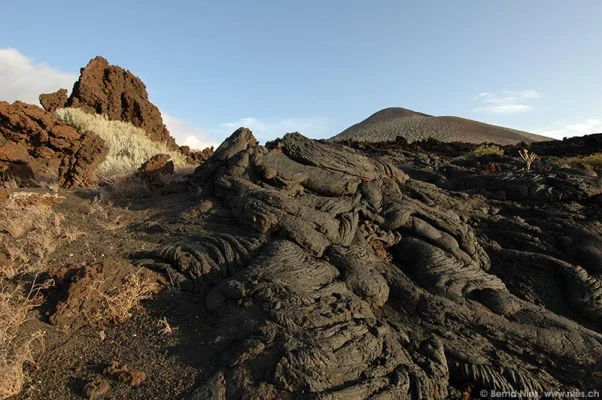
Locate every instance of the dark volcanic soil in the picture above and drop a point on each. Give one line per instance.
(173, 361)
(310, 270)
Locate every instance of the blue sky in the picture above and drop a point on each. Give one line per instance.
(320, 66)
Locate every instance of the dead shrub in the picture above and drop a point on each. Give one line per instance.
(381, 250)
(71, 234)
(491, 168)
(30, 230)
(165, 326)
(15, 350)
(120, 301)
(528, 158)
(124, 187)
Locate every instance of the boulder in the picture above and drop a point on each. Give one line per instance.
(159, 164)
(79, 169)
(123, 373)
(196, 157)
(35, 145)
(83, 291)
(53, 101)
(121, 96)
(95, 389)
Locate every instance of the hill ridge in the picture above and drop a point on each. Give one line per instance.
(388, 123)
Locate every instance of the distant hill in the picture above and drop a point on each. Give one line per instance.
(387, 124)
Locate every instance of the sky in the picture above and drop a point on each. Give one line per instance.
(318, 67)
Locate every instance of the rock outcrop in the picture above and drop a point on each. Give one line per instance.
(196, 157)
(35, 145)
(53, 101)
(84, 291)
(158, 165)
(119, 94)
(331, 273)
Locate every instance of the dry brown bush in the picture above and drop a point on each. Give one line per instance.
(71, 234)
(31, 233)
(528, 158)
(15, 349)
(131, 186)
(128, 187)
(30, 230)
(119, 302)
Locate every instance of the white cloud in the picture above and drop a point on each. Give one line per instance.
(22, 79)
(187, 134)
(506, 102)
(559, 131)
(506, 109)
(270, 128)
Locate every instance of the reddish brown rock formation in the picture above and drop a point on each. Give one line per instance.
(4, 196)
(196, 156)
(52, 101)
(111, 90)
(34, 144)
(123, 373)
(159, 164)
(84, 290)
(78, 170)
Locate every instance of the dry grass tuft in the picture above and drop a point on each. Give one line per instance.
(165, 326)
(15, 350)
(9, 182)
(123, 187)
(119, 302)
(71, 234)
(129, 146)
(29, 232)
(96, 206)
(126, 187)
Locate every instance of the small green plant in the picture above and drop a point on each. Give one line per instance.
(593, 161)
(484, 150)
(527, 157)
